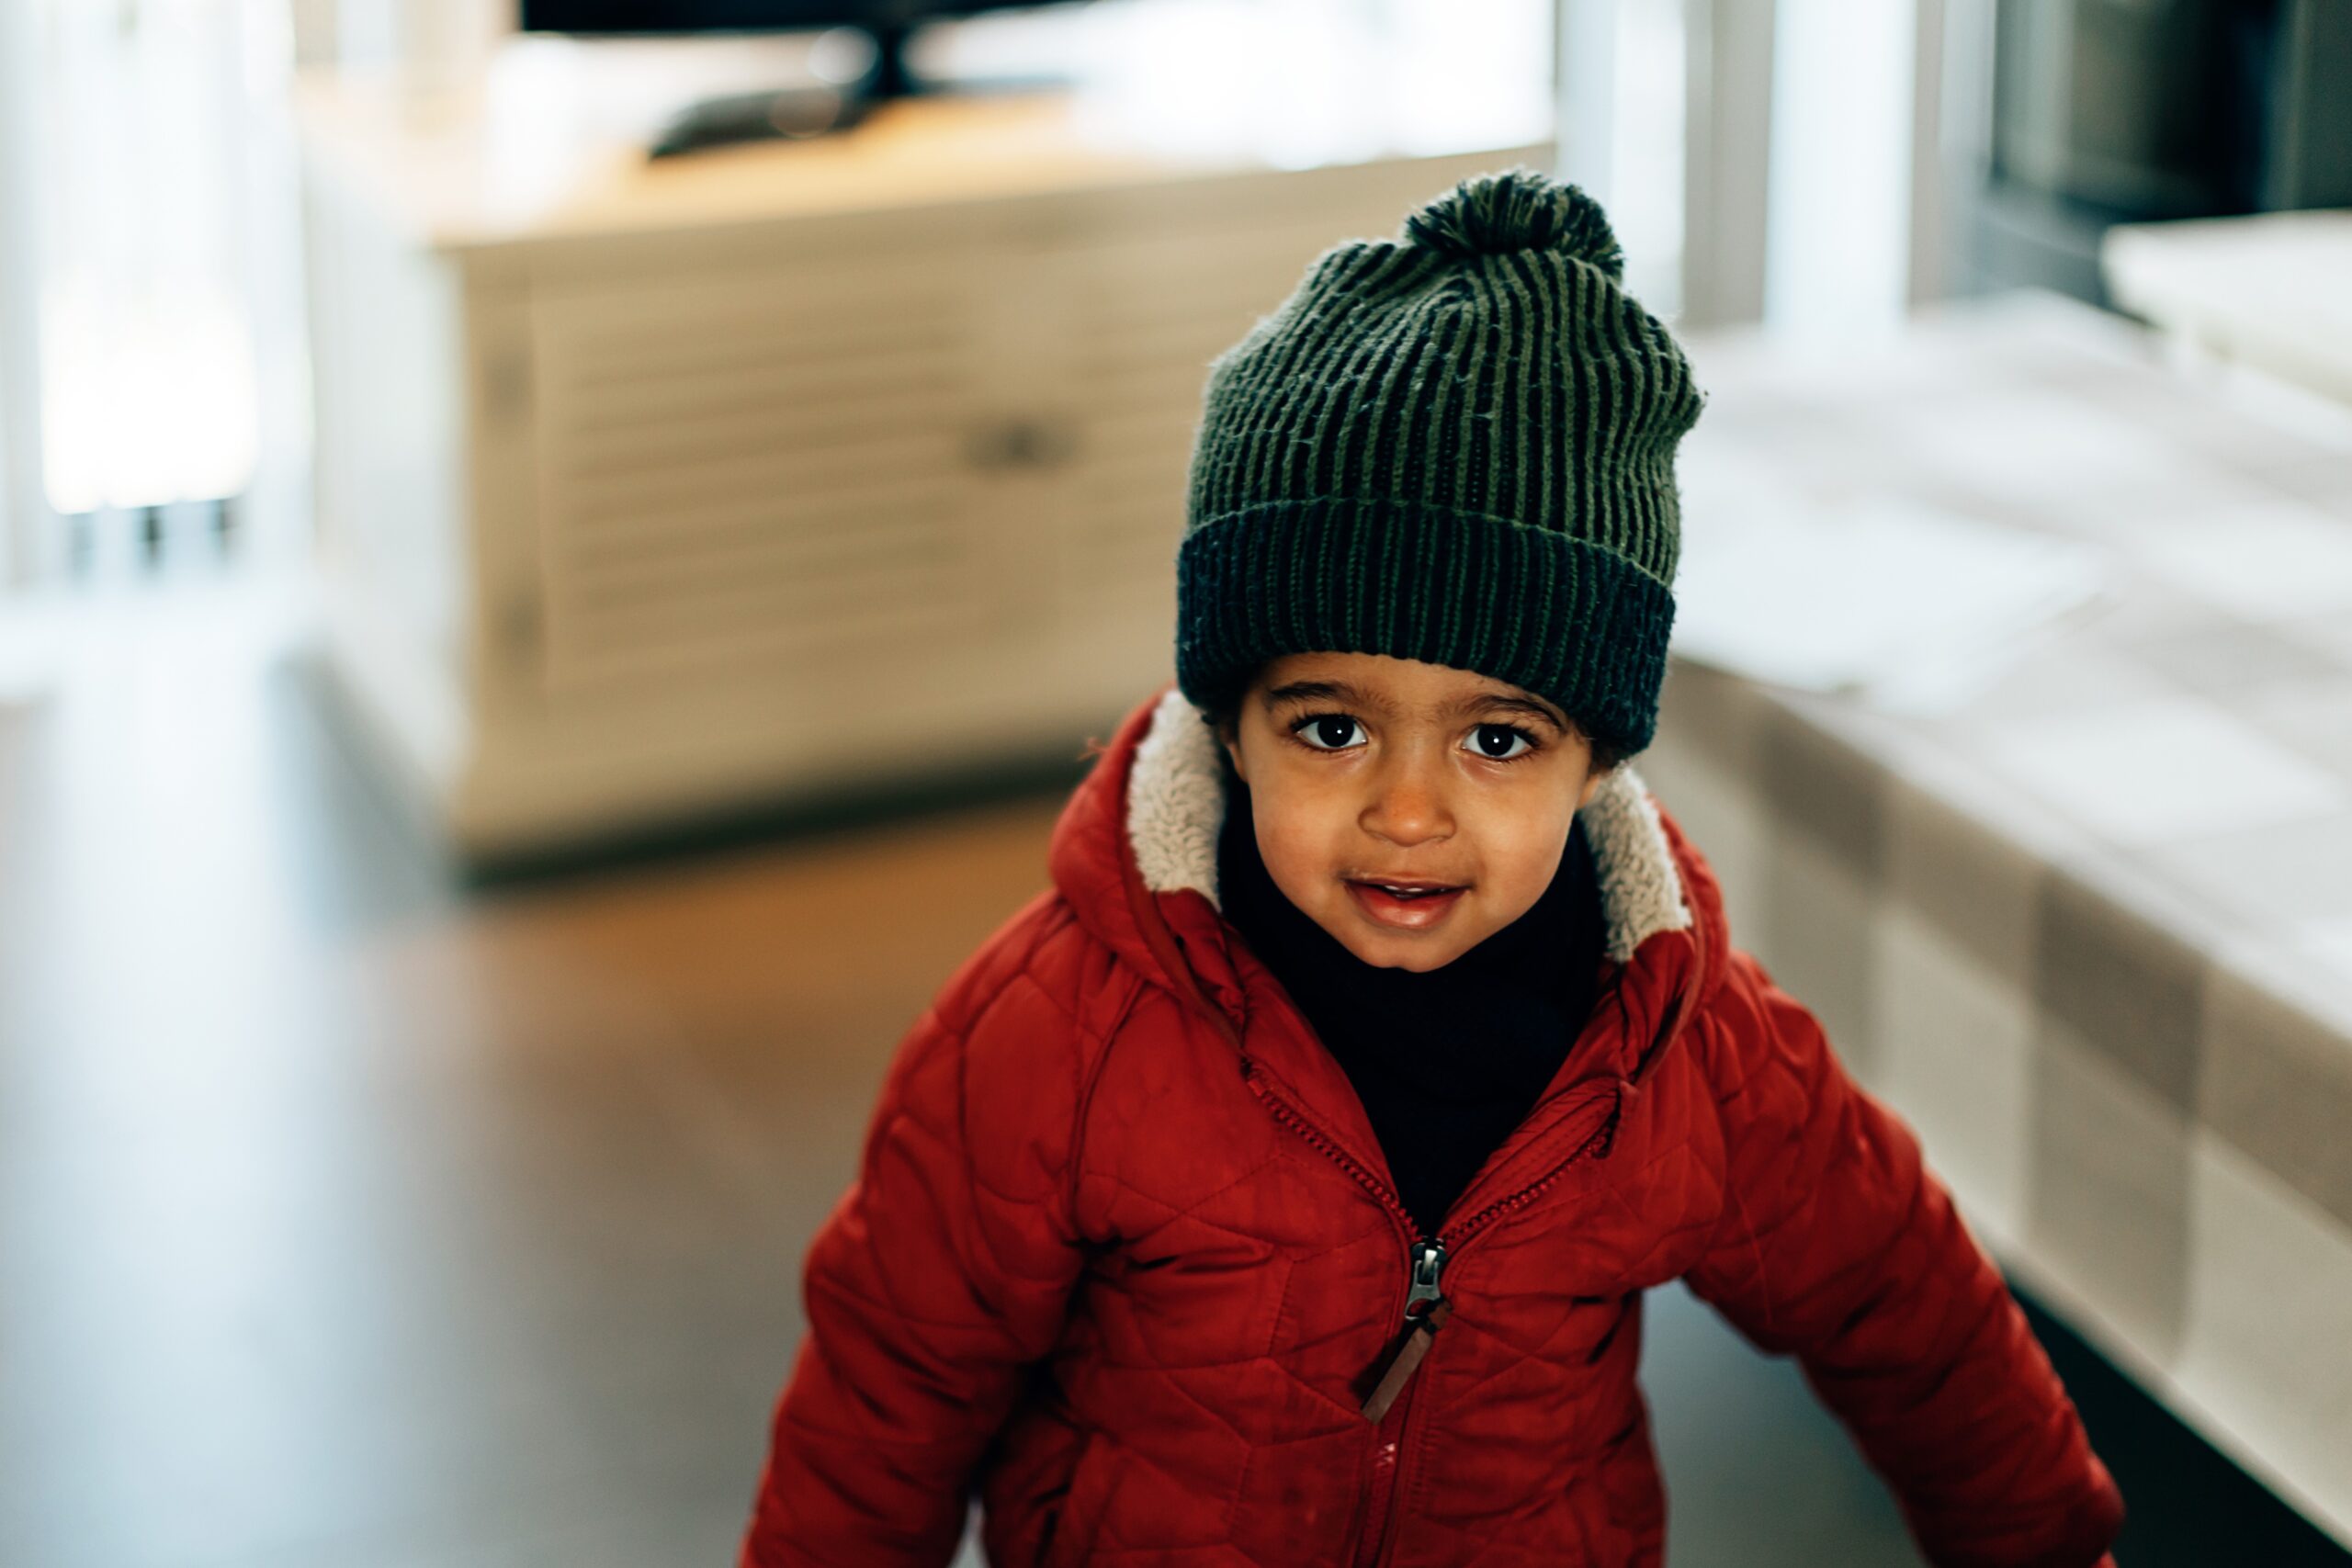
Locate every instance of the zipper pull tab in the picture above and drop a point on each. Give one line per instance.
(1429, 1260)
(1421, 1327)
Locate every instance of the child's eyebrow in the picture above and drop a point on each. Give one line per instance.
(1341, 692)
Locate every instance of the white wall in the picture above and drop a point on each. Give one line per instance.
(1837, 233)
(1835, 148)
(1727, 135)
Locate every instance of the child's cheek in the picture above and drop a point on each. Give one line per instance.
(1296, 841)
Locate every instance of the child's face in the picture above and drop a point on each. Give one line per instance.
(1364, 768)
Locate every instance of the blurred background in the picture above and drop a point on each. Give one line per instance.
(557, 562)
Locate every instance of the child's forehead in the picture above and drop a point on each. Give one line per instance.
(1383, 681)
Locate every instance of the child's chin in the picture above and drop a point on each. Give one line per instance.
(1418, 951)
(1421, 963)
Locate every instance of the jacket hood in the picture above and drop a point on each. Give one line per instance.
(1134, 854)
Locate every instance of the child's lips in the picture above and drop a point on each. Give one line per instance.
(1416, 913)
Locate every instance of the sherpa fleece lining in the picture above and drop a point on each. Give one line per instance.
(1176, 807)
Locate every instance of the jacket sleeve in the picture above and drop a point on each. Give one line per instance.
(944, 1270)
(1838, 1245)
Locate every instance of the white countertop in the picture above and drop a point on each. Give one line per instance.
(2267, 289)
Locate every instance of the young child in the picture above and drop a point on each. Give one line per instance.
(1279, 1186)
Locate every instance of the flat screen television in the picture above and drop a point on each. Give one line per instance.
(888, 22)
(738, 16)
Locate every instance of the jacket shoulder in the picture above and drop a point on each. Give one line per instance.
(1040, 964)
(1017, 1034)
(1769, 1061)
(1737, 1023)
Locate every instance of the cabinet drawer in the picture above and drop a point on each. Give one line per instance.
(755, 467)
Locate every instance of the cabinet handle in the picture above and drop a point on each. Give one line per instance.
(506, 387)
(518, 627)
(1022, 443)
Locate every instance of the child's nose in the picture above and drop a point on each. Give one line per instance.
(1409, 804)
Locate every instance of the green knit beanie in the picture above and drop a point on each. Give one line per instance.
(1455, 446)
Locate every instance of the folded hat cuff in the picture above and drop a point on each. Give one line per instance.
(1558, 616)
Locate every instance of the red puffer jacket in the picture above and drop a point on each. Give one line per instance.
(1123, 1254)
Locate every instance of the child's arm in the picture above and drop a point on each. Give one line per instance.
(944, 1270)
(1836, 1243)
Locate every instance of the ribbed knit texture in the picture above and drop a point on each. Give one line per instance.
(1457, 447)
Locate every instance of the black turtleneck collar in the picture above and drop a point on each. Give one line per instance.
(1449, 1061)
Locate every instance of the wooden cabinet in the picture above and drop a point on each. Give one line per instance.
(697, 504)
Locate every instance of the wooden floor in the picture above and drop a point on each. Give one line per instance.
(348, 1219)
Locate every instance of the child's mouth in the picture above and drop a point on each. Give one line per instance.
(1410, 908)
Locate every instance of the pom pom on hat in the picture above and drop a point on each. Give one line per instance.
(1518, 209)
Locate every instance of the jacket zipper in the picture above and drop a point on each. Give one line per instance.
(1390, 1402)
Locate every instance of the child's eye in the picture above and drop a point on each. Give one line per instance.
(1495, 742)
(1501, 734)
(1325, 727)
